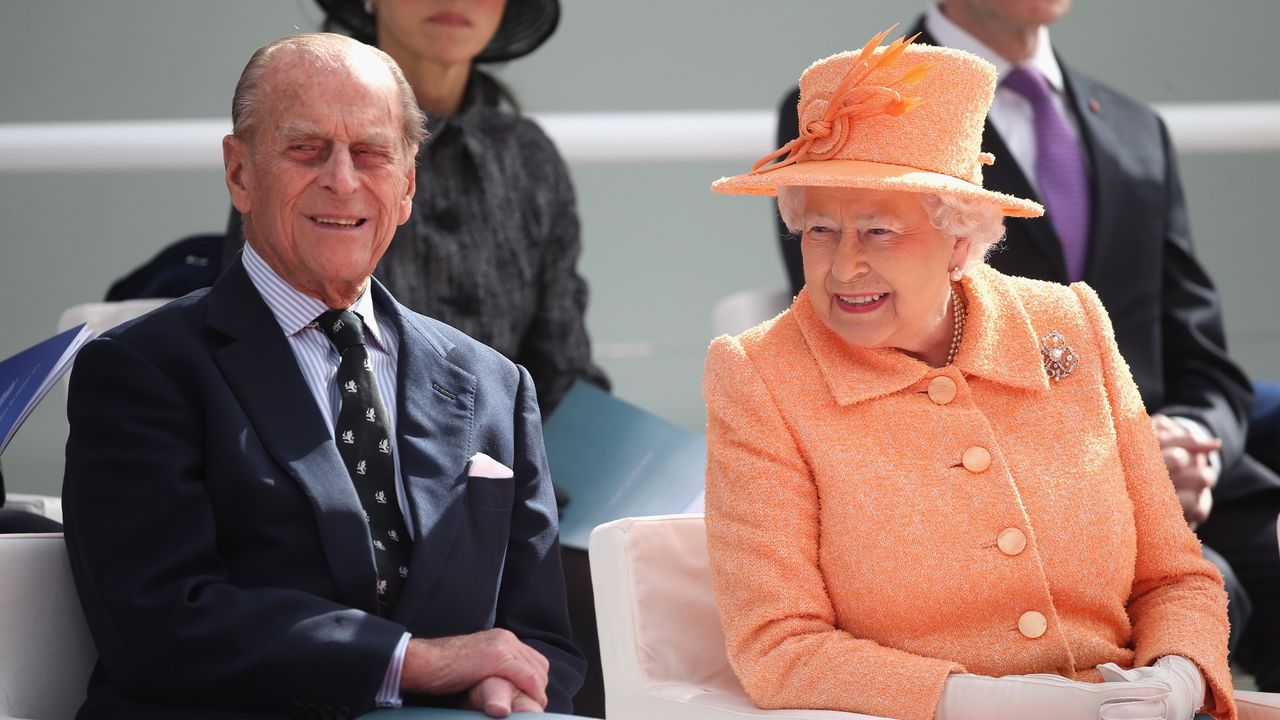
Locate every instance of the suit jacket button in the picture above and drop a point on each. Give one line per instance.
(1011, 541)
(1032, 624)
(976, 459)
(942, 390)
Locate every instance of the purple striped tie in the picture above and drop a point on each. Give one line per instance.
(1060, 168)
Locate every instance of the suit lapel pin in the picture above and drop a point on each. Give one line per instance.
(1060, 359)
(1094, 106)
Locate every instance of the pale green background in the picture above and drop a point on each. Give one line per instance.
(659, 248)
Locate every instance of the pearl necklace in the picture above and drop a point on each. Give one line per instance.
(959, 312)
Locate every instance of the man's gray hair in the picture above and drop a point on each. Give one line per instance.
(328, 51)
(954, 215)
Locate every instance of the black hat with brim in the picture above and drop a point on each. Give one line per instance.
(526, 24)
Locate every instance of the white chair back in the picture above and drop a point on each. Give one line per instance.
(46, 653)
(745, 309)
(661, 646)
(102, 316)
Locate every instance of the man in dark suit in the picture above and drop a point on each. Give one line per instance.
(1133, 247)
(288, 495)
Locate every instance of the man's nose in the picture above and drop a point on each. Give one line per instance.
(339, 173)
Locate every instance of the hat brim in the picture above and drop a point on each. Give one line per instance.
(525, 25)
(871, 176)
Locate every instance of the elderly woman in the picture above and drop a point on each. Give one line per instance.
(932, 489)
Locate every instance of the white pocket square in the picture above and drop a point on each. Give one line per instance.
(482, 465)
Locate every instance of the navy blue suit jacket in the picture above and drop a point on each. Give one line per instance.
(219, 549)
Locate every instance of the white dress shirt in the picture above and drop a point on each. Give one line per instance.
(318, 359)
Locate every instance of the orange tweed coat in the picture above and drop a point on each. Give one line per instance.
(868, 536)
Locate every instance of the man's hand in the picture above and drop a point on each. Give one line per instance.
(1187, 459)
(443, 666)
(498, 698)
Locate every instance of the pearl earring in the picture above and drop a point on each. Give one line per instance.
(956, 274)
(368, 6)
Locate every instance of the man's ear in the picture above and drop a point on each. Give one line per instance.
(406, 202)
(235, 161)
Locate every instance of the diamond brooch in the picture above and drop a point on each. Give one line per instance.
(1060, 359)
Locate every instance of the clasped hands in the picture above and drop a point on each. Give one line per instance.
(1186, 456)
(1172, 689)
(498, 672)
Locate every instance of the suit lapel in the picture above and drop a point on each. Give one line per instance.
(1006, 176)
(262, 372)
(435, 420)
(1102, 146)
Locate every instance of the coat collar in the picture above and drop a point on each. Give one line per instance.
(999, 344)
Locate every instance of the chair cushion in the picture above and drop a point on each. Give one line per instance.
(678, 635)
(47, 654)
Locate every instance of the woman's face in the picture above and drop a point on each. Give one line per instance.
(877, 271)
(447, 32)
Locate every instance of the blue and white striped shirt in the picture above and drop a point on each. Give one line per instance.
(318, 360)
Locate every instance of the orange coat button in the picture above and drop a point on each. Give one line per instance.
(976, 459)
(1032, 624)
(942, 390)
(1011, 541)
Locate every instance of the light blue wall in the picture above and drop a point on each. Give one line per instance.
(659, 248)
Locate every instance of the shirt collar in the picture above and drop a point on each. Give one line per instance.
(293, 309)
(951, 35)
(999, 344)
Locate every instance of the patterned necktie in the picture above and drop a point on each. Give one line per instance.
(1060, 168)
(365, 442)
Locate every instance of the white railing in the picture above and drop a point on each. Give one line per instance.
(581, 137)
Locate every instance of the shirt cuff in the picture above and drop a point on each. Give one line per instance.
(389, 694)
(1201, 433)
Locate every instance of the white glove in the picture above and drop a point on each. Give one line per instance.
(1180, 675)
(1018, 697)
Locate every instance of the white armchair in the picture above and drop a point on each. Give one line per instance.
(661, 647)
(46, 653)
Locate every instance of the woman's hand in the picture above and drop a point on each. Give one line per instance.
(1180, 675)
(1017, 697)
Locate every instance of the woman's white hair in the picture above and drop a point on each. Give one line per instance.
(954, 215)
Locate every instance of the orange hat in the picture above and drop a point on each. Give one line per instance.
(900, 117)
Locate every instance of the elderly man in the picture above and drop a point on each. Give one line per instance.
(290, 495)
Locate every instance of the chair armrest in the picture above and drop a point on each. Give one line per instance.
(46, 505)
(1258, 705)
